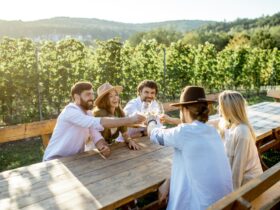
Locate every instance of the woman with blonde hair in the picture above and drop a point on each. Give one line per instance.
(239, 138)
(107, 104)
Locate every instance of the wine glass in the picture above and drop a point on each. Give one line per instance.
(145, 108)
(157, 109)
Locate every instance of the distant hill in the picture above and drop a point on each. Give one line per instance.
(87, 29)
(243, 24)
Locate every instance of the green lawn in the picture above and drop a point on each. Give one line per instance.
(26, 152)
(20, 153)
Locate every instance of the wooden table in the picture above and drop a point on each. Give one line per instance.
(86, 181)
(264, 117)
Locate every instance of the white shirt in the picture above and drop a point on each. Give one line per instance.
(242, 154)
(72, 129)
(201, 172)
(134, 106)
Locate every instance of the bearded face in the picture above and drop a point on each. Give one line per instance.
(85, 99)
(147, 94)
(86, 104)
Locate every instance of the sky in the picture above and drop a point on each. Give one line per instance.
(138, 11)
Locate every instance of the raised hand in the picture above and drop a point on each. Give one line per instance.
(138, 118)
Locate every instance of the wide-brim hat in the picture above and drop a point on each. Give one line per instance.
(192, 95)
(104, 89)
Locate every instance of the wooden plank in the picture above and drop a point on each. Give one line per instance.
(25, 170)
(213, 96)
(56, 194)
(84, 161)
(242, 204)
(131, 184)
(274, 94)
(267, 199)
(90, 177)
(269, 145)
(264, 117)
(22, 131)
(45, 139)
(251, 190)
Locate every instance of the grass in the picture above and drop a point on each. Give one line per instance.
(26, 152)
(20, 153)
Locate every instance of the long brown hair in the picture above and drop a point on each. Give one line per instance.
(198, 111)
(105, 104)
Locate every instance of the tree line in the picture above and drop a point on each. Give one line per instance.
(36, 77)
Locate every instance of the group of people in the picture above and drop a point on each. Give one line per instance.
(211, 157)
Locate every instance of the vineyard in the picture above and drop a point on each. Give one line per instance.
(35, 78)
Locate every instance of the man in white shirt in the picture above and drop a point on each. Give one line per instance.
(147, 91)
(75, 125)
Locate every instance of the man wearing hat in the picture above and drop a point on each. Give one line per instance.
(75, 125)
(201, 173)
(147, 91)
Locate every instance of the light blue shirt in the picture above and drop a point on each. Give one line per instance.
(201, 173)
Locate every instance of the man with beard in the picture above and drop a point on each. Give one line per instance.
(75, 125)
(147, 91)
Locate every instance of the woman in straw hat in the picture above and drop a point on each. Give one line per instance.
(108, 105)
(201, 172)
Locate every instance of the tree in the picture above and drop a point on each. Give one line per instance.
(161, 35)
(263, 39)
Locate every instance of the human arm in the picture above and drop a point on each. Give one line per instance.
(238, 155)
(100, 143)
(214, 122)
(110, 122)
(103, 147)
(72, 114)
(164, 118)
(164, 137)
(130, 142)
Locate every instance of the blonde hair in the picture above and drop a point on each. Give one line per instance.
(233, 110)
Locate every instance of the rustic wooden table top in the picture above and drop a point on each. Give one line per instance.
(264, 117)
(87, 181)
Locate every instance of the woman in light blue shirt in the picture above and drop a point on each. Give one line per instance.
(201, 173)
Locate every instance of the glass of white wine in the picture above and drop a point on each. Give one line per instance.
(145, 108)
(157, 109)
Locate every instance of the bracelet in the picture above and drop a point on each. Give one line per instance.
(128, 140)
(152, 120)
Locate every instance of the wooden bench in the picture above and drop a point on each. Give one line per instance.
(22, 131)
(262, 192)
(267, 143)
(274, 94)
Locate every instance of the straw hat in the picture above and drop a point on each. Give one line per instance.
(192, 95)
(104, 89)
